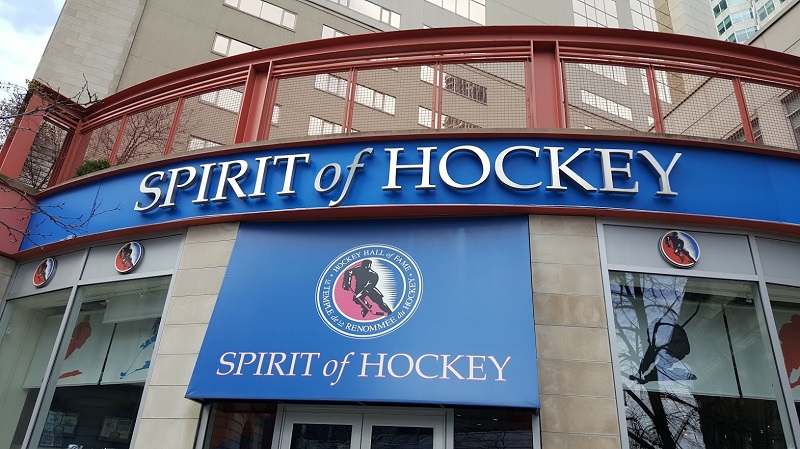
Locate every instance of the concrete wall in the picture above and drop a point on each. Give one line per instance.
(168, 419)
(89, 45)
(572, 338)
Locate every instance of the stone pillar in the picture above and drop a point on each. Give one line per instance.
(572, 338)
(168, 419)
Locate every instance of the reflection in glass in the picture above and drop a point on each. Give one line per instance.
(695, 362)
(237, 425)
(493, 429)
(393, 437)
(30, 323)
(103, 362)
(321, 436)
(785, 303)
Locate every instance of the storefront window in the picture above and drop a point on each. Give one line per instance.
(696, 363)
(785, 303)
(102, 363)
(26, 324)
(237, 425)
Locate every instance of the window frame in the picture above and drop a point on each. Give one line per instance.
(759, 278)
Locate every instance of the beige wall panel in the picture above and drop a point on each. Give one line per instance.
(576, 379)
(168, 419)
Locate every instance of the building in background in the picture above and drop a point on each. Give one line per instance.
(739, 20)
(114, 44)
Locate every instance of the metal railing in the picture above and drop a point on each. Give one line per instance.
(486, 77)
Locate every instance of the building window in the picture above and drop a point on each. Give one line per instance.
(792, 105)
(265, 11)
(600, 13)
(743, 35)
(724, 25)
(319, 127)
(646, 17)
(742, 16)
(370, 9)
(228, 99)
(692, 356)
(457, 85)
(766, 10)
(611, 72)
(474, 10)
(227, 46)
(739, 135)
(721, 6)
(606, 105)
(364, 95)
(276, 114)
(664, 91)
(426, 116)
(196, 143)
(328, 32)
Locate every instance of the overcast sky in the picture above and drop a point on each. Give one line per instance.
(25, 27)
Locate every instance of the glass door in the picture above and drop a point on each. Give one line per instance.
(381, 429)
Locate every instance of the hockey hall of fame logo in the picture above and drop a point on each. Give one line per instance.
(369, 291)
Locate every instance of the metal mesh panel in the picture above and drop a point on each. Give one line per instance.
(607, 97)
(309, 105)
(101, 142)
(774, 108)
(145, 135)
(208, 120)
(699, 106)
(486, 95)
(45, 152)
(389, 100)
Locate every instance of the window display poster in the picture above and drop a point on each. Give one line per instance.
(788, 324)
(86, 350)
(131, 351)
(57, 426)
(116, 429)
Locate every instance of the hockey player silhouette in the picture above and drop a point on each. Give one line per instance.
(125, 256)
(675, 349)
(366, 286)
(676, 243)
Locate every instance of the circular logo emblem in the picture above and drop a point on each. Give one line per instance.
(44, 272)
(128, 257)
(680, 249)
(369, 291)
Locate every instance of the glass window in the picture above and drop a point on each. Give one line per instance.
(103, 362)
(492, 429)
(241, 425)
(696, 363)
(265, 11)
(370, 9)
(30, 323)
(226, 46)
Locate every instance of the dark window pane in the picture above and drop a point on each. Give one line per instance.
(493, 429)
(321, 436)
(392, 437)
(242, 426)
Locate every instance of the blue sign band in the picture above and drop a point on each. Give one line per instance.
(626, 176)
